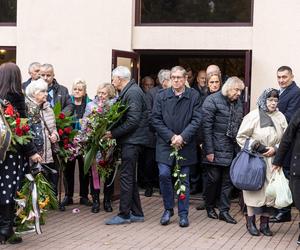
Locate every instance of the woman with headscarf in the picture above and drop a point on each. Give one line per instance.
(264, 128)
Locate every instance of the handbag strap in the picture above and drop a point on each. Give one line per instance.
(246, 145)
(46, 126)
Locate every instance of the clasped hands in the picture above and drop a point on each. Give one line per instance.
(177, 142)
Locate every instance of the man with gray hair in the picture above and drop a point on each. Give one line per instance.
(56, 92)
(222, 115)
(150, 170)
(131, 134)
(33, 71)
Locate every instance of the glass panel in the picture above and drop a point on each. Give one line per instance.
(7, 55)
(8, 11)
(196, 11)
(127, 62)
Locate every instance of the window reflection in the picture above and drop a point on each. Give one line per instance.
(8, 11)
(195, 11)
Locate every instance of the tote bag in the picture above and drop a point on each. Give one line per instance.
(248, 170)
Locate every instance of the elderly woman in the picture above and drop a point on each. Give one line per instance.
(222, 116)
(42, 124)
(13, 165)
(80, 99)
(264, 127)
(105, 93)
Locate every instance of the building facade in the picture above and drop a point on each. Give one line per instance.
(87, 38)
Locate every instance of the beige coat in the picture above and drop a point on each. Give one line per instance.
(48, 115)
(268, 136)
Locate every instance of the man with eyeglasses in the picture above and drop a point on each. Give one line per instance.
(289, 103)
(176, 118)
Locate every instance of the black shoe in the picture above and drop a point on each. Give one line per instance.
(165, 219)
(298, 241)
(67, 201)
(194, 191)
(85, 201)
(184, 221)
(251, 226)
(264, 226)
(211, 213)
(107, 206)
(281, 217)
(148, 191)
(201, 205)
(225, 216)
(96, 204)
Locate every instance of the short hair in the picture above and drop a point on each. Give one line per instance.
(231, 83)
(110, 89)
(210, 75)
(122, 72)
(179, 68)
(47, 66)
(163, 74)
(31, 65)
(213, 69)
(36, 86)
(147, 78)
(80, 81)
(283, 68)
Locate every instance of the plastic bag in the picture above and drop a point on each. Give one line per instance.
(279, 189)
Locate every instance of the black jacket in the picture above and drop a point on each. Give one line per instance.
(216, 117)
(289, 101)
(61, 94)
(133, 126)
(290, 140)
(176, 115)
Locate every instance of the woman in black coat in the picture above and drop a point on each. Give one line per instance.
(291, 140)
(15, 164)
(222, 115)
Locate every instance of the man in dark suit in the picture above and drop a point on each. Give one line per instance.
(289, 102)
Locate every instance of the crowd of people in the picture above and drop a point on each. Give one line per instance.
(194, 120)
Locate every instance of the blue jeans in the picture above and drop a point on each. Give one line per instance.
(167, 189)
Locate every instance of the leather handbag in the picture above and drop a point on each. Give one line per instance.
(248, 170)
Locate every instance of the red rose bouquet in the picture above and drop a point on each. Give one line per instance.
(66, 132)
(19, 127)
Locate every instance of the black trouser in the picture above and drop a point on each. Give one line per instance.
(69, 178)
(195, 178)
(53, 177)
(108, 187)
(129, 192)
(218, 187)
(147, 168)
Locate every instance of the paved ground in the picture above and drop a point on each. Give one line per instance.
(65, 230)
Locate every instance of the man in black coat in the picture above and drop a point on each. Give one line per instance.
(289, 103)
(33, 71)
(176, 118)
(131, 134)
(56, 92)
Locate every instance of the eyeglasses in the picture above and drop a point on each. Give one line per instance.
(78, 89)
(272, 99)
(177, 77)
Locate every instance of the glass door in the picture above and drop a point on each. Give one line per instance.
(127, 59)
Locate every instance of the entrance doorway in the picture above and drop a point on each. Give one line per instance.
(231, 62)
